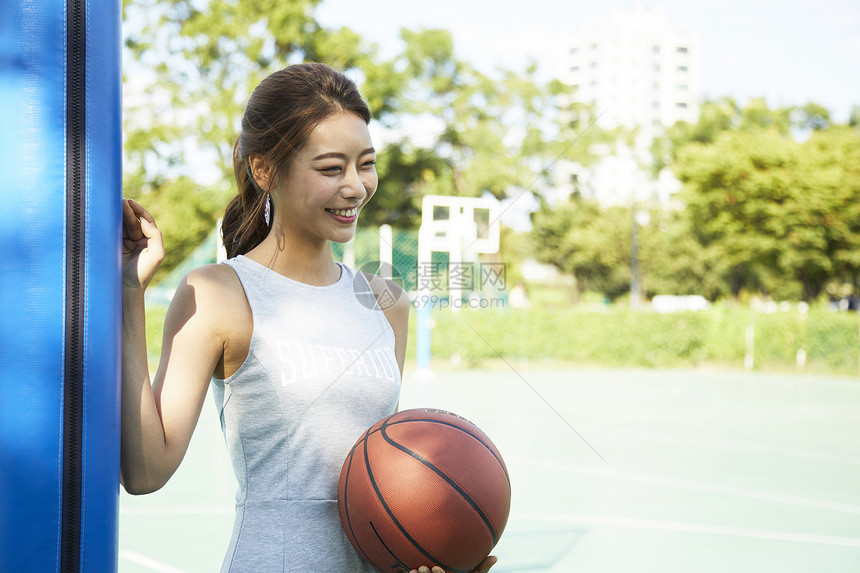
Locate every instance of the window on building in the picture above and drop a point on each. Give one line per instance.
(682, 68)
(656, 49)
(682, 87)
(574, 68)
(574, 50)
(593, 46)
(655, 67)
(681, 104)
(656, 86)
(593, 64)
(682, 49)
(655, 104)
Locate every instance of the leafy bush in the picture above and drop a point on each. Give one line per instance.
(624, 338)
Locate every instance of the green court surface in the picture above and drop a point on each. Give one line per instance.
(612, 471)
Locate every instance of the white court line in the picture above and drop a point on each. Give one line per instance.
(148, 562)
(744, 447)
(694, 485)
(690, 528)
(178, 510)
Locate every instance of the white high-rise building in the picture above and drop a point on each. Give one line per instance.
(638, 71)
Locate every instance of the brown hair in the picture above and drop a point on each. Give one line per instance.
(280, 116)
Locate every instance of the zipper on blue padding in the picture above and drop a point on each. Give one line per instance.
(73, 383)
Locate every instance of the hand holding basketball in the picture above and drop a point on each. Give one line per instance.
(484, 567)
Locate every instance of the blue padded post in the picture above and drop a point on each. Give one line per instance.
(60, 230)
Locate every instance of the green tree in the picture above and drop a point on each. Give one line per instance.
(782, 215)
(769, 213)
(733, 194)
(673, 261)
(587, 242)
(758, 115)
(715, 117)
(829, 199)
(725, 114)
(812, 116)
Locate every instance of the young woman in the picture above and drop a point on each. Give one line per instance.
(299, 365)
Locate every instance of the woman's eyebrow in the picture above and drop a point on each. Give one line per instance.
(338, 155)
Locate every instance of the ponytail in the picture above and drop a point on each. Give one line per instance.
(244, 226)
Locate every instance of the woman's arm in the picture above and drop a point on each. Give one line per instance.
(159, 418)
(397, 315)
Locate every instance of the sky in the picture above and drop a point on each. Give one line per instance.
(788, 51)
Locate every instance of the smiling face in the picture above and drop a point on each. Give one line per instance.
(328, 181)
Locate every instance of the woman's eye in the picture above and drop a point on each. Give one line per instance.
(332, 169)
(370, 163)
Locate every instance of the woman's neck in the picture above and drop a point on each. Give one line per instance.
(300, 259)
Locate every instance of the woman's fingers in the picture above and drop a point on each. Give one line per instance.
(138, 224)
(135, 218)
(130, 224)
(154, 243)
(484, 567)
(140, 212)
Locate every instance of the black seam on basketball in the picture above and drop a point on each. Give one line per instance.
(395, 520)
(381, 499)
(462, 429)
(346, 506)
(397, 559)
(445, 477)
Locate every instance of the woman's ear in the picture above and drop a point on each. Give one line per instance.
(261, 171)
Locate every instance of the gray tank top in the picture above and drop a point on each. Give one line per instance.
(321, 369)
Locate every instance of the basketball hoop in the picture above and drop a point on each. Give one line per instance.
(462, 227)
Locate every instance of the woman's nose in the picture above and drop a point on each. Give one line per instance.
(353, 186)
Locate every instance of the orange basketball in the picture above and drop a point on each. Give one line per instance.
(424, 487)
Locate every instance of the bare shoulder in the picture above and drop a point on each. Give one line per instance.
(218, 278)
(215, 291)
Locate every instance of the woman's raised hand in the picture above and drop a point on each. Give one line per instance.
(142, 246)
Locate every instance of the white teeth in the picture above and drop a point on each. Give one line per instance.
(343, 212)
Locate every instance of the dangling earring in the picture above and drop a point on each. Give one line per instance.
(267, 214)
